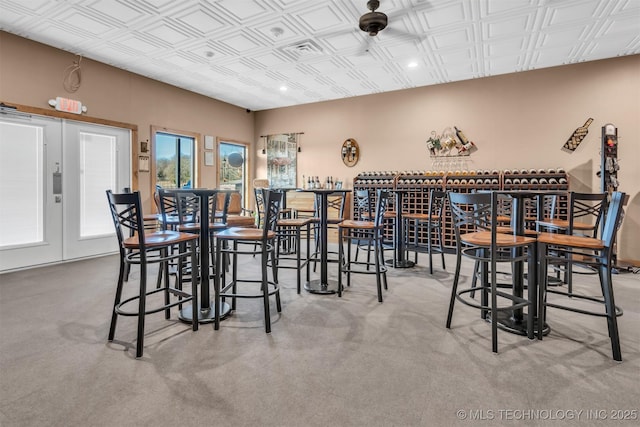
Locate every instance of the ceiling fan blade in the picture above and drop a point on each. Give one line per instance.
(394, 32)
(365, 46)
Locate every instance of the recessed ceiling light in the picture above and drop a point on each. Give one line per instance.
(277, 31)
(209, 54)
(283, 88)
(412, 64)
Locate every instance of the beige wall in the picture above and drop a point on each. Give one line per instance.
(517, 121)
(31, 74)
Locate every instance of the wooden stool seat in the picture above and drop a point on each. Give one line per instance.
(582, 242)
(483, 238)
(242, 233)
(564, 224)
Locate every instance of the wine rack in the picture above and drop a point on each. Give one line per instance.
(418, 184)
(539, 180)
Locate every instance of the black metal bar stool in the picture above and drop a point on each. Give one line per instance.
(426, 228)
(357, 232)
(232, 242)
(146, 248)
(553, 246)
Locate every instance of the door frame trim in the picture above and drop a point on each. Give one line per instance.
(95, 120)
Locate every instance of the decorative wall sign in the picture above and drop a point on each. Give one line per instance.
(576, 137)
(208, 142)
(350, 152)
(208, 158)
(143, 163)
(282, 150)
(443, 145)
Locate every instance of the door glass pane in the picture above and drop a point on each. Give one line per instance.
(233, 168)
(21, 184)
(97, 174)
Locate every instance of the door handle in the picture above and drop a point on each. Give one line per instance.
(57, 182)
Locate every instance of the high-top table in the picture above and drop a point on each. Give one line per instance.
(323, 285)
(516, 323)
(206, 313)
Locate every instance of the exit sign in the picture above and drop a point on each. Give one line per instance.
(68, 105)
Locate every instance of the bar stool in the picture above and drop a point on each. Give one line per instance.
(354, 231)
(362, 211)
(289, 246)
(141, 248)
(553, 246)
(585, 215)
(475, 220)
(431, 222)
(230, 242)
(188, 205)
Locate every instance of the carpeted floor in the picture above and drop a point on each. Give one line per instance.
(329, 361)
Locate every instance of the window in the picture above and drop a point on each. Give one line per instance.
(174, 160)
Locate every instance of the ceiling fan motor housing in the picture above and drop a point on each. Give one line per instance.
(373, 22)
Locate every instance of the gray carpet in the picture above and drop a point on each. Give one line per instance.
(328, 361)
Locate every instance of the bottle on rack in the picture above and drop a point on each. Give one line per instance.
(317, 183)
(467, 145)
(304, 183)
(461, 136)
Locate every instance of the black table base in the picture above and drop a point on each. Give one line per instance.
(403, 263)
(507, 323)
(317, 287)
(204, 315)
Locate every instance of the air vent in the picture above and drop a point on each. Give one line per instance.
(302, 49)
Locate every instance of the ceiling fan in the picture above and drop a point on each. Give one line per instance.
(373, 21)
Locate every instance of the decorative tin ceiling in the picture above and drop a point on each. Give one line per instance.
(262, 54)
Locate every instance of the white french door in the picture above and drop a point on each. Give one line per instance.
(53, 177)
(96, 158)
(30, 211)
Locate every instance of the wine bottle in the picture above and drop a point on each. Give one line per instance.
(461, 136)
(467, 145)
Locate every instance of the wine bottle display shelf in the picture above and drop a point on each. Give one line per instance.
(418, 185)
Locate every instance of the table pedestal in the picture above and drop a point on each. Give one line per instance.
(205, 315)
(317, 287)
(401, 263)
(508, 323)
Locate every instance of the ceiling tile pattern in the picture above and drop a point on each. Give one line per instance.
(244, 51)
